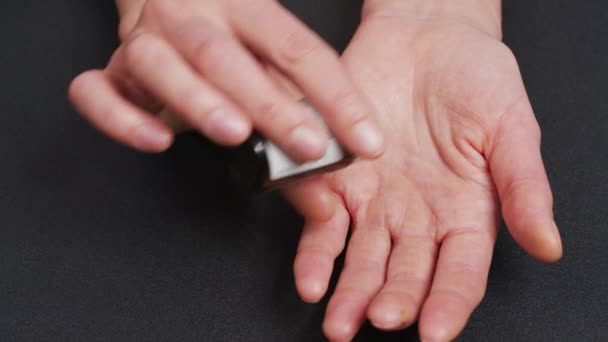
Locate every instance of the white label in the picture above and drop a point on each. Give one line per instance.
(281, 166)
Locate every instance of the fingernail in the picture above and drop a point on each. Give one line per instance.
(308, 143)
(338, 327)
(389, 316)
(369, 138)
(152, 137)
(228, 126)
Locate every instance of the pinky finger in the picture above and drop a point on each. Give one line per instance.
(96, 98)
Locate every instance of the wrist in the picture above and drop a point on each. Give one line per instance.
(485, 15)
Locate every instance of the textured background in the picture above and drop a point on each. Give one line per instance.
(98, 243)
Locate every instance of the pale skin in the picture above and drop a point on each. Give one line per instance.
(206, 60)
(462, 151)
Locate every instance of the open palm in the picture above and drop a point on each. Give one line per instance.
(463, 149)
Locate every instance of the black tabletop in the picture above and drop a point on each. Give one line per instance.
(99, 243)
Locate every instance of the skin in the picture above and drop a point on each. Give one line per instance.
(463, 151)
(213, 75)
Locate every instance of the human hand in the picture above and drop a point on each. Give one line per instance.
(463, 147)
(208, 61)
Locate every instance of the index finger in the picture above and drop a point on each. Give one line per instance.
(315, 68)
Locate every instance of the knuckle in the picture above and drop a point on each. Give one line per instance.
(209, 52)
(296, 47)
(142, 51)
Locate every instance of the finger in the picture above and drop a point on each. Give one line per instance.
(458, 285)
(523, 187)
(224, 62)
(315, 68)
(129, 15)
(161, 71)
(283, 83)
(409, 276)
(361, 278)
(96, 98)
(320, 244)
(313, 199)
(173, 121)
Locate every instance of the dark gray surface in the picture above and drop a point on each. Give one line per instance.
(98, 243)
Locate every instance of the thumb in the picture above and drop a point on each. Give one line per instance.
(519, 174)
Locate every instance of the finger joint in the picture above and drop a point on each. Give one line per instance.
(297, 47)
(209, 52)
